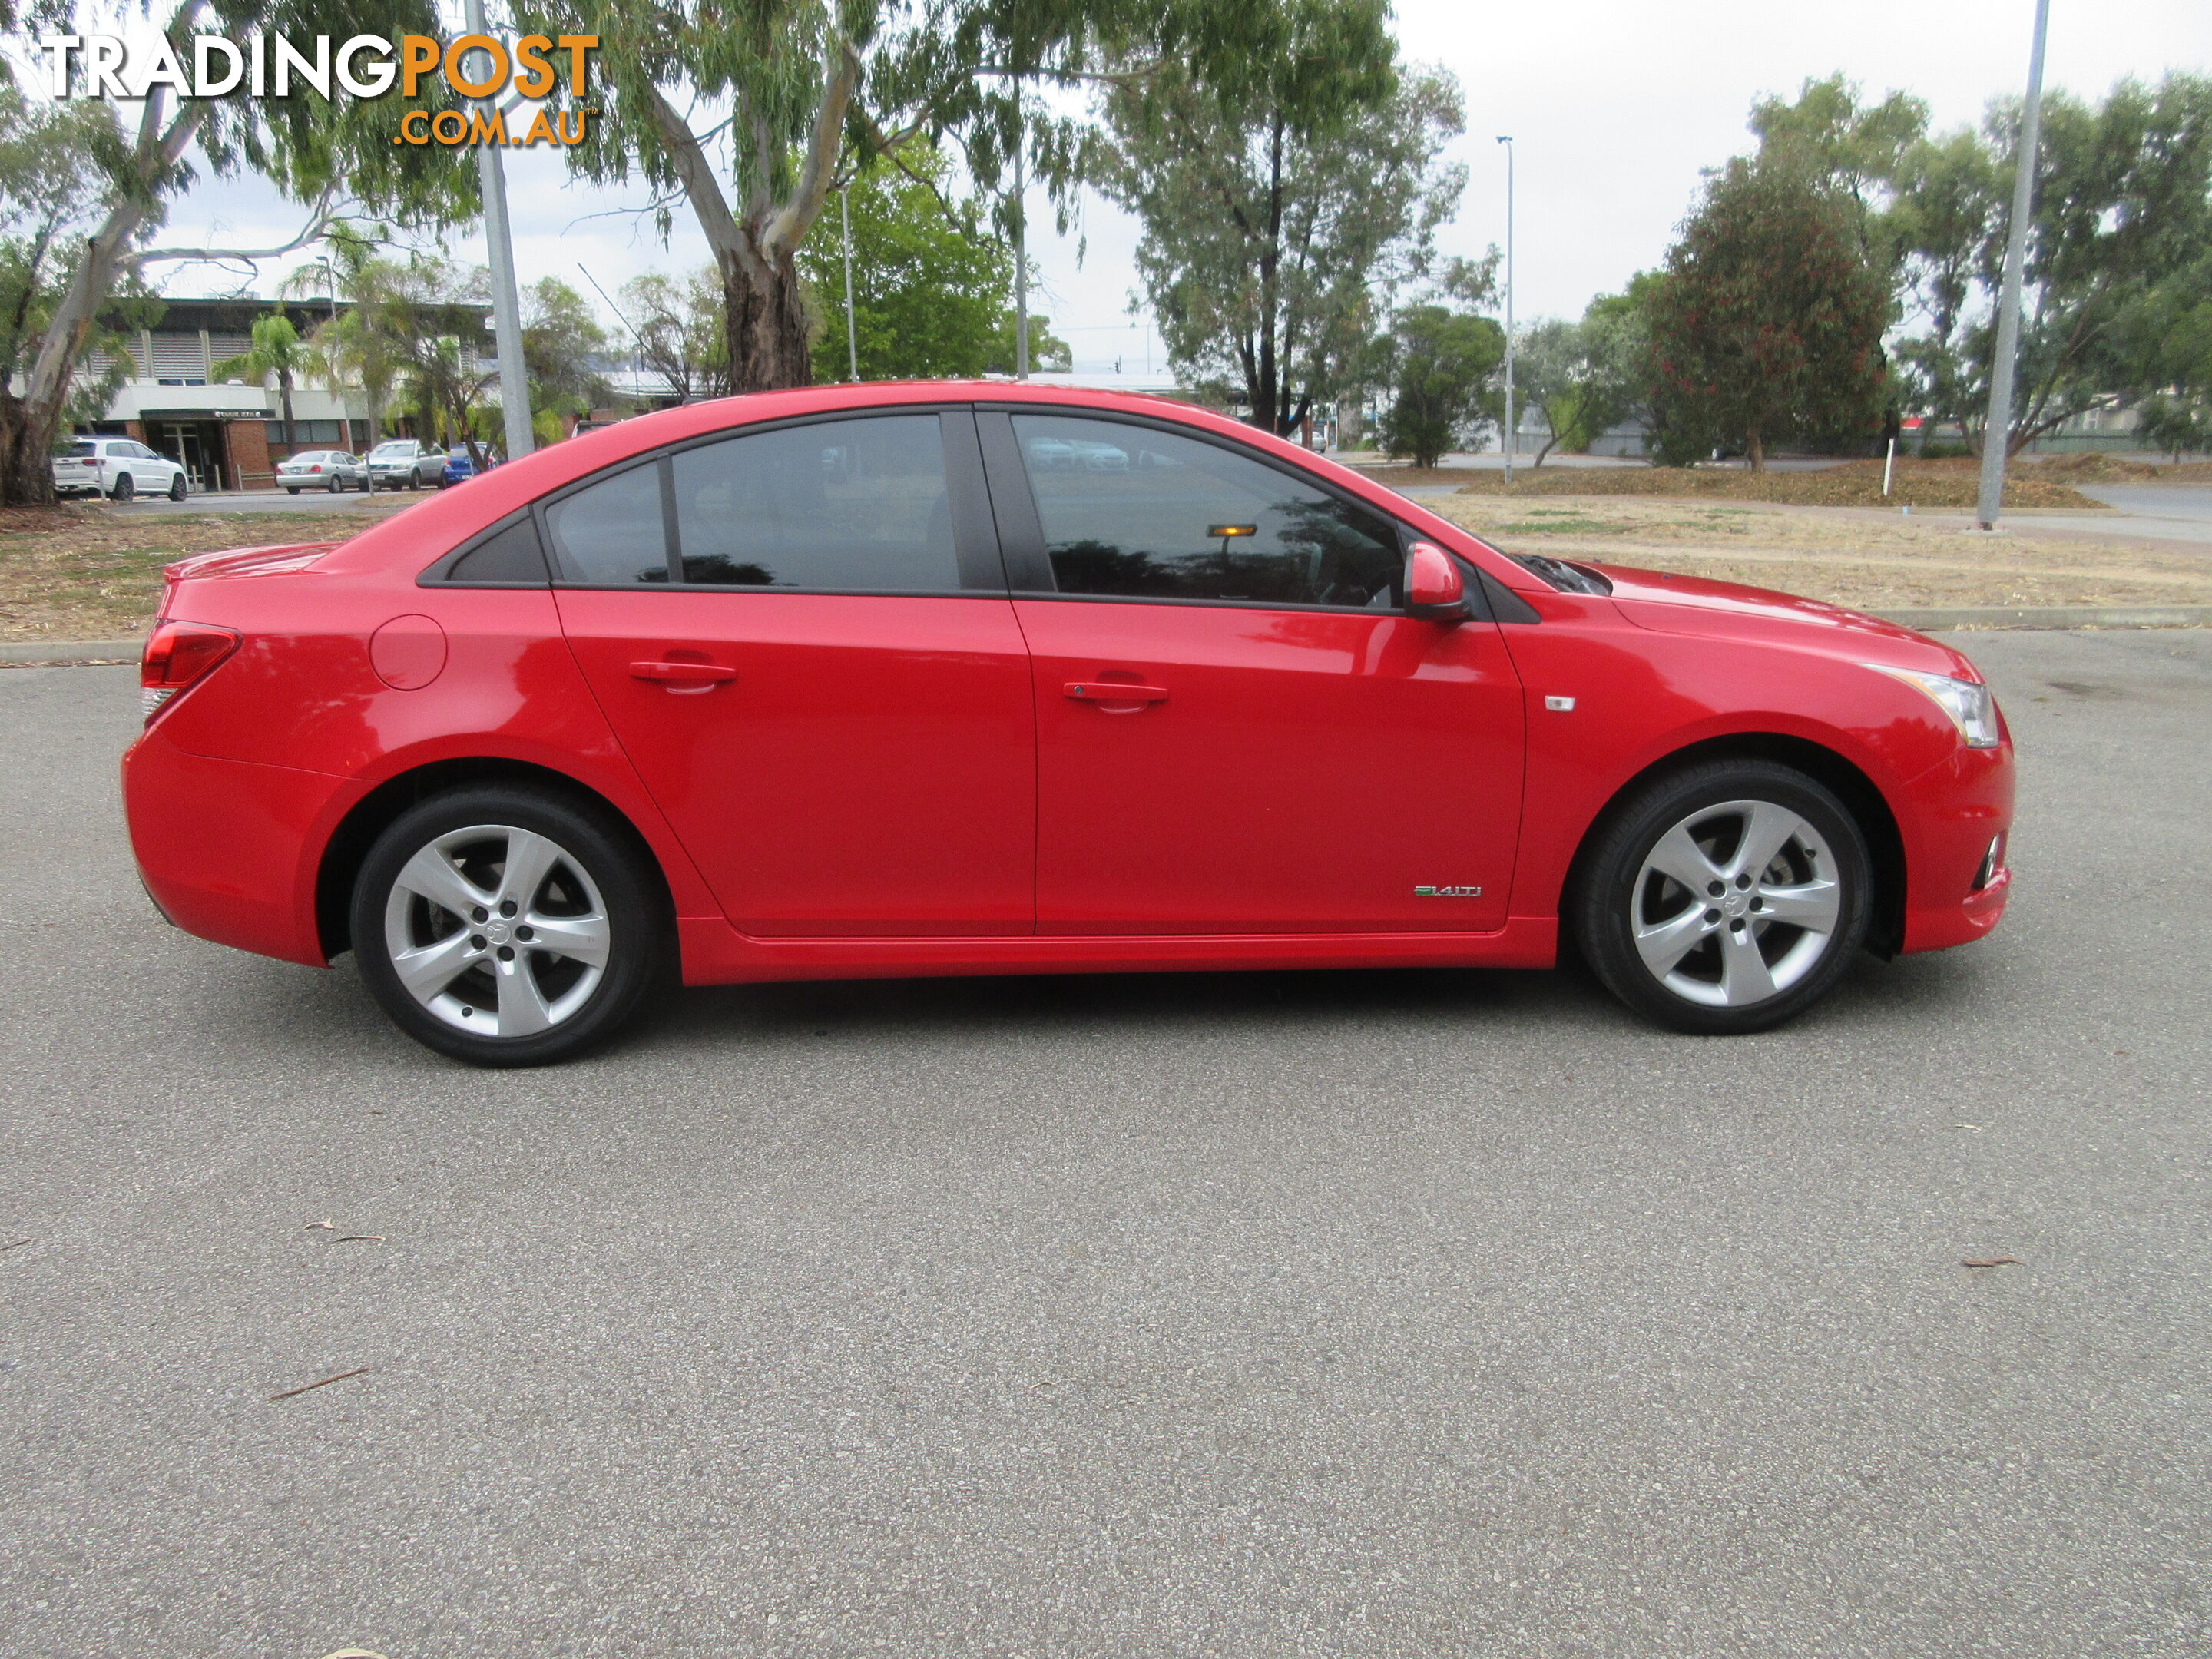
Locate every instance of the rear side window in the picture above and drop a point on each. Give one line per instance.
(508, 555)
(1131, 512)
(858, 506)
(608, 534)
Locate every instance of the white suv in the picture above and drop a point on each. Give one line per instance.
(117, 468)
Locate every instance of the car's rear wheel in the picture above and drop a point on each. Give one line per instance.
(336, 484)
(1726, 898)
(508, 926)
(126, 487)
(177, 488)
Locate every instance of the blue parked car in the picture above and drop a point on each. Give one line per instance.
(460, 469)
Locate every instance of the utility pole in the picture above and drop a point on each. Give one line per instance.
(852, 340)
(1997, 430)
(1506, 139)
(1021, 249)
(506, 308)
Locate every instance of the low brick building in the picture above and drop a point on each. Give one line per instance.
(227, 434)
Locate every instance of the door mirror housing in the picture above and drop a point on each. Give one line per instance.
(1434, 589)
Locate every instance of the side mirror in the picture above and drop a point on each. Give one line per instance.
(1435, 590)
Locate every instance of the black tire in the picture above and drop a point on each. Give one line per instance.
(638, 937)
(291, 489)
(126, 487)
(177, 488)
(1615, 893)
(336, 484)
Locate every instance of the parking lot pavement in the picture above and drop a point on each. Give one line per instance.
(1384, 1314)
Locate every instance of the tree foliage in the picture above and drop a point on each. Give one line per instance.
(1287, 190)
(1584, 377)
(796, 93)
(2115, 245)
(931, 280)
(278, 353)
(1768, 323)
(561, 336)
(680, 331)
(1443, 360)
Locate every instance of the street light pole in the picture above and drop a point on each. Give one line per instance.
(1021, 250)
(1506, 139)
(1996, 429)
(506, 308)
(852, 340)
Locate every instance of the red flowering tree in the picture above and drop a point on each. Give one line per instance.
(1768, 326)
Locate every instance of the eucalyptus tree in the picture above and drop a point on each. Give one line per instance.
(1289, 184)
(680, 330)
(752, 116)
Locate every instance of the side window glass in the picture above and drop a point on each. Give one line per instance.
(511, 554)
(830, 507)
(1134, 513)
(608, 534)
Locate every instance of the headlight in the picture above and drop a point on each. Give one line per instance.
(1968, 702)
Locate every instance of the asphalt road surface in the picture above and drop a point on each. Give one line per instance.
(1376, 1314)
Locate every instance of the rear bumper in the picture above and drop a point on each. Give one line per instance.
(224, 846)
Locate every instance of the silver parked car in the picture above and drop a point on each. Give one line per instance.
(333, 470)
(117, 468)
(404, 464)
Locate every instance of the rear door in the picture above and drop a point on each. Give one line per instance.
(801, 636)
(1239, 729)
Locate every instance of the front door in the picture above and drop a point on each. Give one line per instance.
(1239, 731)
(801, 637)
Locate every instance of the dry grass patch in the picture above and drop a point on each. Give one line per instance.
(1868, 563)
(1854, 483)
(1392, 476)
(90, 573)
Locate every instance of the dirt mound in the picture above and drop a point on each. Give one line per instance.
(1854, 483)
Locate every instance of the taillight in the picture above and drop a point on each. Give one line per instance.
(317, 467)
(179, 656)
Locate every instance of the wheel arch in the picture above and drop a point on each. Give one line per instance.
(368, 817)
(1837, 772)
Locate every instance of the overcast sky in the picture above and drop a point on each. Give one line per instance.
(1614, 107)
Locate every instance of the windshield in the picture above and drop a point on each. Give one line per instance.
(405, 446)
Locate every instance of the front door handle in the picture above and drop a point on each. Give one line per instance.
(1113, 692)
(683, 673)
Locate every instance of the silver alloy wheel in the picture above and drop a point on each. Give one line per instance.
(498, 931)
(1735, 904)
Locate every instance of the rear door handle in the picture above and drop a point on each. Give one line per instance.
(1111, 691)
(683, 673)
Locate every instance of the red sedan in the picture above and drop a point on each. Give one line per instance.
(985, 678)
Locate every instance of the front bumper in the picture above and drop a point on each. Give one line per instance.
(1955, 892)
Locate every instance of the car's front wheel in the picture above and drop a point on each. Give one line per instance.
(1725, 898)
(177, 488)
(508, 926)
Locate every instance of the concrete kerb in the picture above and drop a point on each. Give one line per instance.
(95, 654)
(69, 654)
